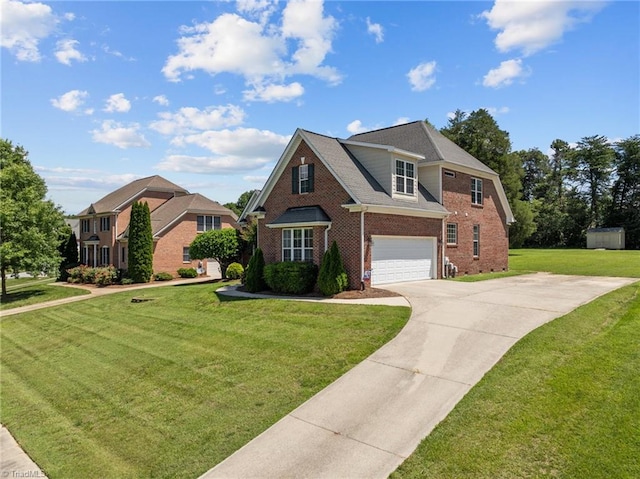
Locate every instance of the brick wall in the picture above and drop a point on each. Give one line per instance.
(395, 225)
(494, 240)
(167, 254)
(345, 230)
(328, 194)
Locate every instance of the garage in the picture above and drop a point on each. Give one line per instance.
(395, 259)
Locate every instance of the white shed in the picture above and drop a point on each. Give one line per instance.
(607, 238)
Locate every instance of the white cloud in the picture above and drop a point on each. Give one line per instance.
(493, 111)
(505, 74)
(242, 149)
(422, 77)
(114, 133)
(66, 52)
(376, 30)
(161, 100)
(23, 26)
(191, 119)
(117, 103)
(273, 93)
(258, 180)
(259, 51)
(531, 26)
(71, 101)
(401, 121)
(356, 126)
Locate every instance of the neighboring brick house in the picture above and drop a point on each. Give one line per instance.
(397, 201)
(177, 216)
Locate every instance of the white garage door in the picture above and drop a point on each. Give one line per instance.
(402, 258)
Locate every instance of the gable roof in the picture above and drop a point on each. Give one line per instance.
(174, 209)
(118, 198)
(423, 139)
(361, 186)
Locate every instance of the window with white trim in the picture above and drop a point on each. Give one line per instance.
(476, 240)
(185, 255)
(302, 179)
(104, 255)
(105, 223)
(452, 233)
(476, 191)
(207, 223)
(405, 178)
(86, 226)
(297, 244)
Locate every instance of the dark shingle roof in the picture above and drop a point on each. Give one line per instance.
(304, 214)
(358, 181)
(117, 198)
(418, 137)
(174, 208)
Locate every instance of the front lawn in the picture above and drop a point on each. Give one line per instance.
(27, 291)
(586, 262)
(172, 386)
(564, 402)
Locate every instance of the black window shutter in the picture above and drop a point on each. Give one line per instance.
(310, 178)
(295, 184)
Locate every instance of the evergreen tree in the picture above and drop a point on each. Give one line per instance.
(332, 278)
(624, 209)
(140, 245)
(69, 253)
(254, 274)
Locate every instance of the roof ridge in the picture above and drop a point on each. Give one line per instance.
(386, 128)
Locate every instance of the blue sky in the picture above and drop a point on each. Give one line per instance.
(207, 94)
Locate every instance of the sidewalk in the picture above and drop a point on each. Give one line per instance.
(98, 292)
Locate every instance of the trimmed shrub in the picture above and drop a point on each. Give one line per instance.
(163, 276)
(332, 278)
(254, 274)
(126, 281)
(187, 273)
(100, 276)
(105, 276)
(234, 271)
(291, 277)
(140, 245)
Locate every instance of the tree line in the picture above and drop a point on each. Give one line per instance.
(556, 197)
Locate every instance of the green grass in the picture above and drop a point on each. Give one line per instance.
(586, 262)
(564, 402)
(27, 291)
(170, 387)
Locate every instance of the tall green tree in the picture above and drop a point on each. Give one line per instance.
(592, 163)
(239, 205)
(140, 244)
(30, 225)
(69, 252)
(536, 168)
(221, 245)
(624, 209)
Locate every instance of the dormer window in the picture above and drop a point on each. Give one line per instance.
(405, 178)
(302, 179)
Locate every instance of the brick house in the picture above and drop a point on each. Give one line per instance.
(401, 203)
(177, 216)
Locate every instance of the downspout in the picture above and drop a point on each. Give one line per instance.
(442, 266)
(115, 241)
(364, 208)
(326, 237)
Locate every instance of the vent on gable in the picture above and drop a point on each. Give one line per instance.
(450, 174)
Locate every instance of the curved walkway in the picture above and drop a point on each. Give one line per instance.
(365, 424)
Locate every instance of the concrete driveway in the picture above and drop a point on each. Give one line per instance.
(368, 421)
